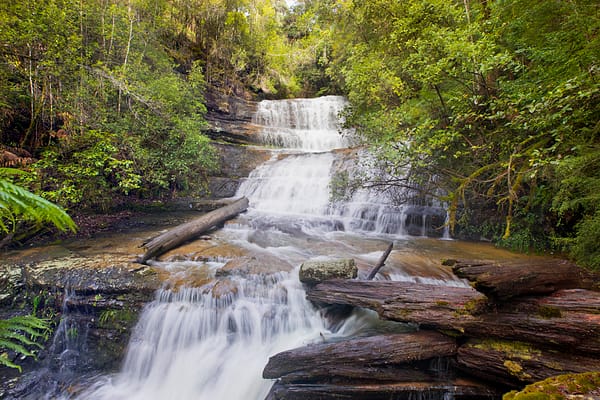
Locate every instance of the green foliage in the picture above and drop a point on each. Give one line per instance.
(496, 102)
(20, 335)
(19, 206)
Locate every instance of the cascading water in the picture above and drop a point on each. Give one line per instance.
(208, 343)
(303, 124)
(298, 185)
(191, 344)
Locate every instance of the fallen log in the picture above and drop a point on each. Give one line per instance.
(436, 306)
(514, 363)
(207, 205)
(375, 357)
(458, 390)
(184, 232)
(569, 319)
(503, 281)
(381, 262)
(566, 318)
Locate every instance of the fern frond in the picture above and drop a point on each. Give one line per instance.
(5, 361)
(19, 201)
(16, 347)
(18, 334)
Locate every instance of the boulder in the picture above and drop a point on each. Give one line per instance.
(316, 271)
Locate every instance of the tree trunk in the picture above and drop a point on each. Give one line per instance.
(567, 318)
(374, 358)
(191, 229)
(515, 363)
(503, 281)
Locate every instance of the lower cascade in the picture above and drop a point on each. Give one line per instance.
(190, 344)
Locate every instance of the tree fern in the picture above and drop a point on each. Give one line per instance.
(19, 335)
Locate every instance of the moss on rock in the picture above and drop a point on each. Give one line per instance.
(580, 386)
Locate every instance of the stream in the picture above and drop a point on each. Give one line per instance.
(211, 328)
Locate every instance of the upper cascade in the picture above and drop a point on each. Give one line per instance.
(310, 125)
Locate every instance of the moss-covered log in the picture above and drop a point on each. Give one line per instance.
(566, 318)
(514, 363)
(191, 229)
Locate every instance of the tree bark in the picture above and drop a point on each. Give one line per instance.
(569, 319)
(374, 358)
(504, 281)
(515, 363)
(184, 232)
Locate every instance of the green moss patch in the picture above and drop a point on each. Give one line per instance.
(560, 387)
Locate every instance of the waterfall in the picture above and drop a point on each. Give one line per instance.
(193, 344)
(293, 185)
(206, 343)
(305, 124)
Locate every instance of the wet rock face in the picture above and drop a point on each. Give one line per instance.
(235, 164)
(313, 272)
(99, 298)
(230, 118)
(257, 264)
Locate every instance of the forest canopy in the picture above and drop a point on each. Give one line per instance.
(496, 102)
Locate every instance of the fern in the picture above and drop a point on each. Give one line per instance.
(19, 203)
(19, 335)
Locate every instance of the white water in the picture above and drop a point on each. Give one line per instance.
(191, 345)
(297, 185)
(309, 125)
(194, 344)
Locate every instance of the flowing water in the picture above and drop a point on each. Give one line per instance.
(192, 344)
(211, 340)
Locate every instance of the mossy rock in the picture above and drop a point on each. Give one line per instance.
(570, 386)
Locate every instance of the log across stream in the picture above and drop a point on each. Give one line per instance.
(527, 327)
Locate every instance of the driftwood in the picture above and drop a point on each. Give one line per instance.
(515, 363)
(458, 390)
(504, 281)
(436, 306)
(374, 357)
(381, 262)
(191, 229)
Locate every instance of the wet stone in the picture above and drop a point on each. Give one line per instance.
(316, 271)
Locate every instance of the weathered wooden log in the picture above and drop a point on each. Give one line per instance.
(381, 262)
(568, 318)
(374, 357)
(514, 363)
(458, 390)
(191, 229)
(506, 280)
(444, 307)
